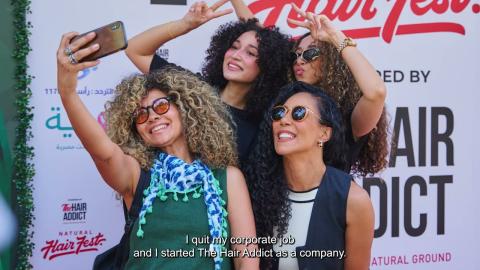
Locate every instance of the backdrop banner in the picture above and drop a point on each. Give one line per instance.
(426, 52)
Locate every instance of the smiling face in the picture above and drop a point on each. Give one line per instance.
(290, 136)
(162, 131)
(306, 72)
(240, 60)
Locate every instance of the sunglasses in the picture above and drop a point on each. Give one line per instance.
(307, 55)
(159, 106)
(299, 113)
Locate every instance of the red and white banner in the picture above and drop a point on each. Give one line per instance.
(425, 202)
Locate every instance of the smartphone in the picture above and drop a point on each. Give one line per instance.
(110, 37)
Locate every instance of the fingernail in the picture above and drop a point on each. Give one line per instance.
(95, 46)
(91, 34)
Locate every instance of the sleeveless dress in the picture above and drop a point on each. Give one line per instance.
(165, 245)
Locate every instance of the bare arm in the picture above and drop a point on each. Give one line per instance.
(117, 169)
(241, 10)
(359, 232)
(141, 48)
(369, 108)
(240, 217)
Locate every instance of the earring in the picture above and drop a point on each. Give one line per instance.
(320, 143)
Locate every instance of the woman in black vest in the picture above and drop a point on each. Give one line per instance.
(327, 218)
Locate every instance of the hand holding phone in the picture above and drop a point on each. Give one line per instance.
(111, 38)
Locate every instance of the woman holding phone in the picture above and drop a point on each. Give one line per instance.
(170, 128)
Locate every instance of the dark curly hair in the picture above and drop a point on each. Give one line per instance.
(264, 169)
(337, 80)
(273, 58)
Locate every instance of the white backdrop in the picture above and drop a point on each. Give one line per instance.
(78, 216)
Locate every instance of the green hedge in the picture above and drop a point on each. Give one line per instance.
(23, 169)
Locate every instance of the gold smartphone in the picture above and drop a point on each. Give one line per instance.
(111, 38)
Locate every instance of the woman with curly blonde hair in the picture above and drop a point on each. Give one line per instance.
(328, 59)
(169, 130)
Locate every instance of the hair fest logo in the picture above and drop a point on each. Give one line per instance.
(72, 243)
(347, 9)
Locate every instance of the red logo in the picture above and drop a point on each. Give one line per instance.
(56, 248)
(348, 8)
(66, 207)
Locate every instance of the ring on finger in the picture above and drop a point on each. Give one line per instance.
(72, 59)
(68, 51)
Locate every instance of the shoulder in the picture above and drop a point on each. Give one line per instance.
(235, 181)
(234, 175)
(231, 177)
(238, 198)
(359, 205)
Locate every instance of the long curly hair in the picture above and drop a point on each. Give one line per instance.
(337, 80)
(264, 169)
(205, 118)
(273, 58)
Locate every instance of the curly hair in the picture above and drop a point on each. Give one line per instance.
(273, 58)
(205, 119)
(337, 80)
(264, 169)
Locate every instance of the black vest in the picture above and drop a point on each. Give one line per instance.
(326, 229)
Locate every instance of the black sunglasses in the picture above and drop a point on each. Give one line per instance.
(307, 55)
(299, 113)
(159, 106)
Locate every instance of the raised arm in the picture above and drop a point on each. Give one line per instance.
(119, 171)
(141, 48)
(240, 217)
(359, 232)
(369, 108)
(241, 10)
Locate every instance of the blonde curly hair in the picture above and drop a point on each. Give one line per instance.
(205, 119)
(338, 82)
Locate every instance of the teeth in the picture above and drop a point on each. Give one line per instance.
(285, 135)
(233, 66)
(159, 127)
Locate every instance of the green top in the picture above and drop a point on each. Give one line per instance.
(169, 232)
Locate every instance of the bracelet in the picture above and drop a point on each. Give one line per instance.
(348, 41)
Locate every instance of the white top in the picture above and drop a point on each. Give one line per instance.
(301, 204)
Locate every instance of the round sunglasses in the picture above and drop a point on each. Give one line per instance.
(159, 106)
(299, 113)
(307, 55)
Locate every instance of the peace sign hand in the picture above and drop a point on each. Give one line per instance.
(320, 27)
(200, 13)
